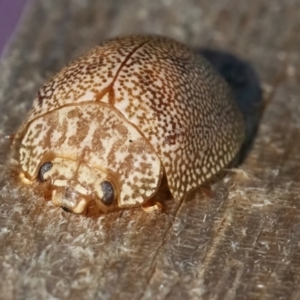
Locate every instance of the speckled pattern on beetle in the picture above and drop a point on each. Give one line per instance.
(130, 112)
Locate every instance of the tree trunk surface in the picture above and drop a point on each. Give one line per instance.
(240, 242)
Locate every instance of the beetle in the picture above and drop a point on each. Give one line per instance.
(126, 116)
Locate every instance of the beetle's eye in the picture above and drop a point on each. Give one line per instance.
(108, 193)
(43, 169)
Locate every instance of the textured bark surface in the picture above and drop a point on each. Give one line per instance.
(242, 242)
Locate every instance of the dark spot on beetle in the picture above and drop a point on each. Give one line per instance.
(108, 193)
(66, 209)
(43, 169)
(130, 141)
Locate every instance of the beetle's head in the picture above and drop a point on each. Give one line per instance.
(74, 185)
(89, 153)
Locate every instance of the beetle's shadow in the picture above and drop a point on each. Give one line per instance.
(246, 87)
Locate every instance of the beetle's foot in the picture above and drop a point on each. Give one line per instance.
(152, 207)
(24, 179)
(207, 191)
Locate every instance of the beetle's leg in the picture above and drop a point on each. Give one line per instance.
(152, 206)
(155, 204)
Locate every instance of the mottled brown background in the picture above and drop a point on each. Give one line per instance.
(241, 243)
